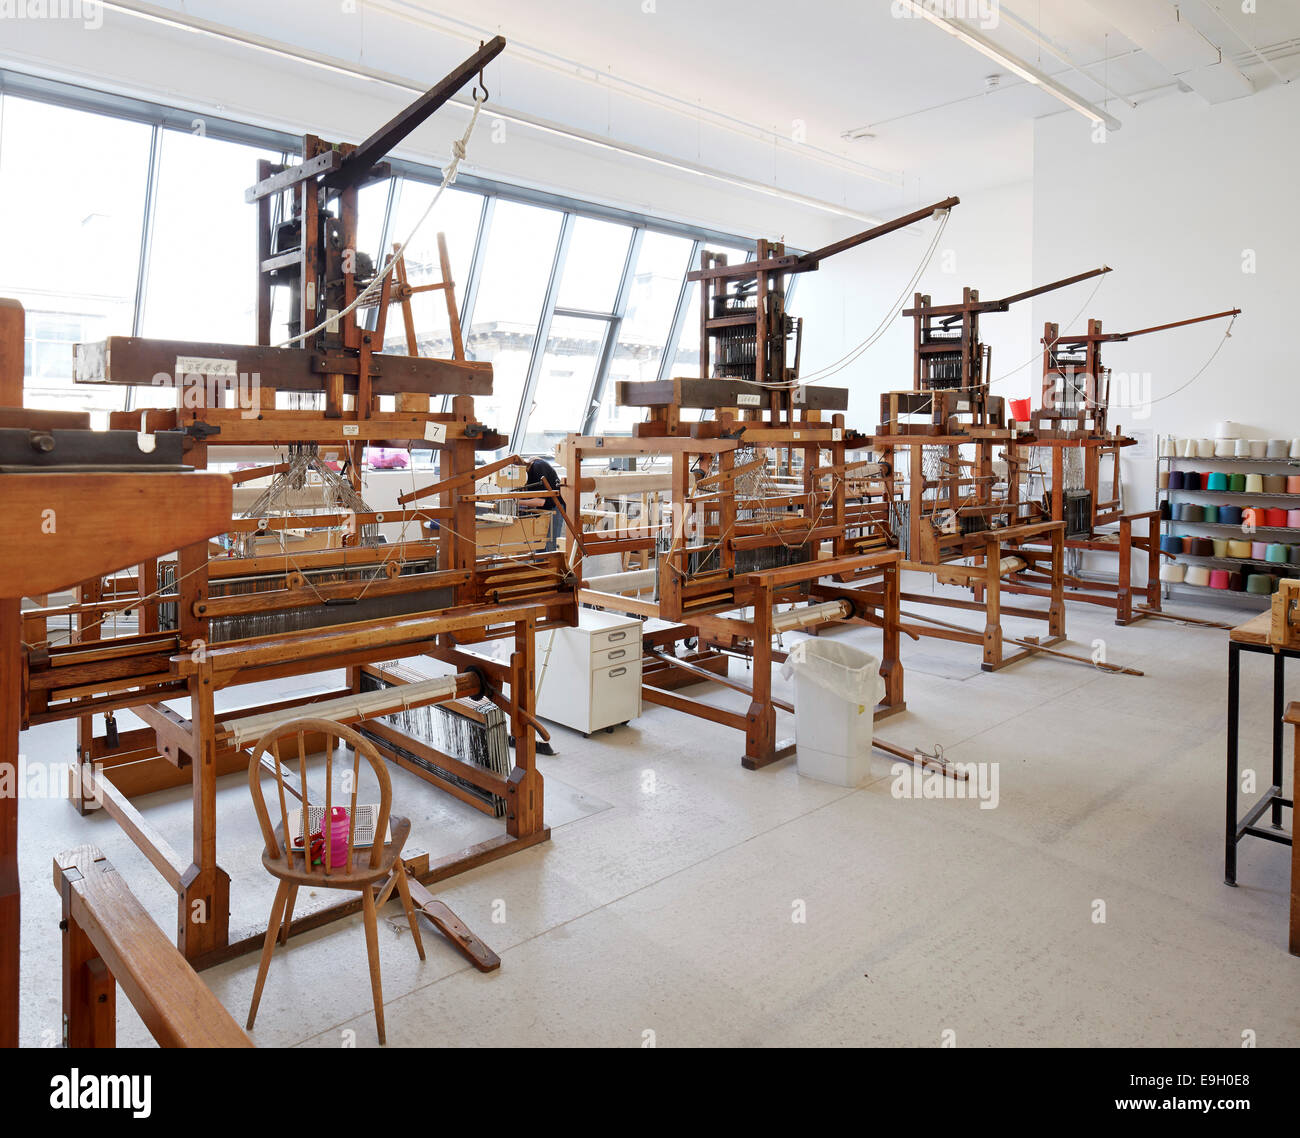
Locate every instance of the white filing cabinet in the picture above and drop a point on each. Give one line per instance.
(589, 677)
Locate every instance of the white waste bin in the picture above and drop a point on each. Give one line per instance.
(836, 689)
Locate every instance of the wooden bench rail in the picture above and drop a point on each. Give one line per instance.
(109, 940)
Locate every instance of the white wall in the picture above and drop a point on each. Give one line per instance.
(986, 245)
(1172, 202)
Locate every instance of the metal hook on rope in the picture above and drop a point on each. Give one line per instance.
(474, 93)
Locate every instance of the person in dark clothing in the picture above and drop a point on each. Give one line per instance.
(541, 475)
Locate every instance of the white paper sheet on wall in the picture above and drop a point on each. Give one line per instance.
(1143, 447)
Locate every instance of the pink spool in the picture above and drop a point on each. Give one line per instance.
(335, 830)
(1293, 484)
(1293, 519)
(1259, 550)
(1218, 578)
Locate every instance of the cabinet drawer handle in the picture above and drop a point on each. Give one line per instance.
(617, 672)
(618, 635)
(618, 653)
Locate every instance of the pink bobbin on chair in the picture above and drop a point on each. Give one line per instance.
(342, 865)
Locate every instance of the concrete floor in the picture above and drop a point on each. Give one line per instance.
(664, 907)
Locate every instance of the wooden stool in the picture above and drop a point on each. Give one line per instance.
(1292, 716)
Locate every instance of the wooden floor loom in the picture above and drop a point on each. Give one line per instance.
(722, 581)
(57, 475)
(950, 522)
(756, 512)
(1071, 428)
(956, 464)
(213, 618)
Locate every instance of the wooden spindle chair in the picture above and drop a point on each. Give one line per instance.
(381, 866)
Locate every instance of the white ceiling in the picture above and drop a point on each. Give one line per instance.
(758, 90)
(762, 67)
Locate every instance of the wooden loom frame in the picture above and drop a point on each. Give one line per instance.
(938, 397)
(766, 408)
(966, 491)
(706, 609)
(54, 558)
(1061, 428)
(488, 598)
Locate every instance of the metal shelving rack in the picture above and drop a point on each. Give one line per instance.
(1286, 535)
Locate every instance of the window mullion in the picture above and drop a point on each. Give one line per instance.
(543, 331)
(599, 381)
(150, 210)
(679, 317)
(472, 277)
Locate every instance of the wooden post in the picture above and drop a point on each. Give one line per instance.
(1058, 483)
(1153, 563)
(1056, 608)
(760, 730)
(1091, 483)
(263, 253)
(460, 457)
(915, 490)
(1124, 586)
(12, 325)
(147, 614)
(524, 813)
(993, 605)
(891, 664)
(203, 900)
(1047, 392)
(89, 628)
(726, 509)
(707, 261)
(674, 564)
(839, 500)
(449, 295)
(918, 323)
(89, 990)
(10, 723)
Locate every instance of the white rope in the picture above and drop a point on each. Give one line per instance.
(853, 354)
(1227, 335)
(1070, 323)
(458, 151)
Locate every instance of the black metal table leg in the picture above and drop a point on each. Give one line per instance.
(1279, 685)
(1234, 711)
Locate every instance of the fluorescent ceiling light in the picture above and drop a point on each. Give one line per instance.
(219, 32)
(973, 38)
